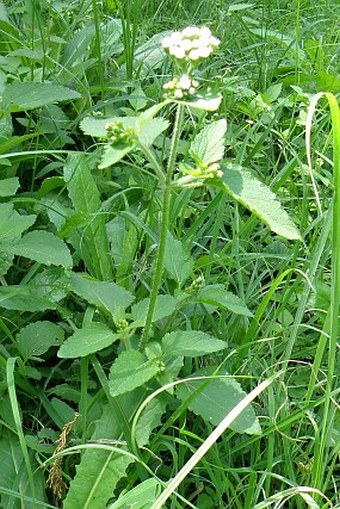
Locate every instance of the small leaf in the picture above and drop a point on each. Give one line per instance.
(191, 343)
(165, 306)
(149, 419)
(208, 146)
(112, 155)
(13, 224)
(206, 102)
(23, 298)
(259, 199)
(37, 337)
(216, 295)
(29, 95)
(178, 262)
(129, 371)
(101, 293)
(147, 130)
(43, 247)
(140, 497)
(9, 186)
(214, 399)
(89, 339)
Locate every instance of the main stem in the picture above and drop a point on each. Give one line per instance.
(159, 262)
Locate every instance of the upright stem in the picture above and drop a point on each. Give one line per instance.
(159, 262)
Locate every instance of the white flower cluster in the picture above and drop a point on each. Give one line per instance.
(192, 43)
(181, 87)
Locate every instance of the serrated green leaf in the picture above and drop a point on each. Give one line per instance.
(6, 261)
(140, 497)
(206, 102)
(23, 298)
(177, 262)
(13, 224)
(208, 146)
(130, 370)
(29, 95)
(52, 283)
(112, 155)
(165, 306)
(92, 242)
(147, 128)
(149, 419)
(43, 247)
(37, 337)
(89, 339)
(215, 399)
(259, 199)
(216, 295)
(191, 343)
(101, 293)
(9, 186)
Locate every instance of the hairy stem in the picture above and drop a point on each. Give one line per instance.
(159, 262)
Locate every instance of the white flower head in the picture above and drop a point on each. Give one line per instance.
(192, 43)
(181, 87)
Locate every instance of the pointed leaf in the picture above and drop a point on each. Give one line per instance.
(23, 298)
(216, 295)
(114, 154)
(9, 186)
(208, 146)
(165, 306)
(43, 247)
(259, 199)
(129, 371)
(140, 497)
(37, 337)
(101, 293)
(13, 224)
(83, 191)
(191, 343)
(89, 339)
(217, 397)
(29, 95)
(147, 128)
(178, 262)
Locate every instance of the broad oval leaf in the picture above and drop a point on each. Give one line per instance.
(13, 224)
(140, 497)
(43, 247)
(101, 293)
(147, 128)
(259, 199)
(191, 343)
(89, 339)
(37, 337)
(112, 155)
(131, 370)
(178, 263)
(24, 298)
(165, 306)
(29, 95)
(208, 146)
(214, 399)
(9, 186)
(216, 295)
